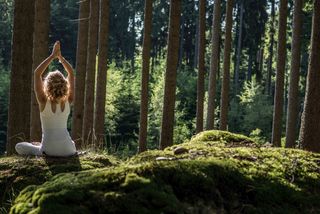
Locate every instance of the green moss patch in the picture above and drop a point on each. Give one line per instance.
(225, 137)
(208, 176)
(17, 173)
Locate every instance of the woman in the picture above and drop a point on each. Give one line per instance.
(54, 96)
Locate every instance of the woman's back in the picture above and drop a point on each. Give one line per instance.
(56, 140)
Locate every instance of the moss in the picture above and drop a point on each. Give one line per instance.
(222, 137)
(18, 172)
(218, 172)
(211, 176)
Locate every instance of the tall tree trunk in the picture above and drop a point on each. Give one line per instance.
(237, 67)
(201, 69)
(272, 30)
(133, 31)
(100, 99)
(249, 74)
(260, 69)
(87, 128)
(226, 68)
(196, 45)
(181, 48)
(216, 24)
(166, 138)
(145, 75)
(40, 52)
(310, 129)
(293, 103)
(81, 62)
(20, 75)
(281, 63)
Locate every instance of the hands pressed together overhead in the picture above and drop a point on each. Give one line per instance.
(56, 51)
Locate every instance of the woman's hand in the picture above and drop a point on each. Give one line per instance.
(56, 52)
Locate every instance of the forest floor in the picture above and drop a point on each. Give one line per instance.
(214, 172)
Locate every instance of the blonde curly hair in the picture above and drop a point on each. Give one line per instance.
(56, 86)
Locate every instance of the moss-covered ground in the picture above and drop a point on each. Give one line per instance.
(19, 172)
(215, 172)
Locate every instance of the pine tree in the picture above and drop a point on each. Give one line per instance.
(201, 64)
(226, 68)
(310, 129)
(145, 75)
(87, 127)
(214, 64)
(40, 52)
(100, 99)
(81, 62)
(293, 105)
(281, 63)
(166, 138)
(21, 74)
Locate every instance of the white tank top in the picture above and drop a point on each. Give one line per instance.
(56, 140)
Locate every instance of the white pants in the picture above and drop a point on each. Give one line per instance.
(25, 148)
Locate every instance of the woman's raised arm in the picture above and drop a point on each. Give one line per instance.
(67, 66)
(38, 84)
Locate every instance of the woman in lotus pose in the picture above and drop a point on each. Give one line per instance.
(54, 96)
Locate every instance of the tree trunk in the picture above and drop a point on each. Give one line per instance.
(310, 129)
(181, 48)
(201, 69)
(260, 69)
(249, 74)
(21, 74)
(214, 64)
(226, 68)
(100, 99)
(40, 52)
(293, 103)
(281, 63)
(272, 30)
(133, 31)
(197, 40)
(81, 62)
(87, 128)
(166, 138)
(237, 67)
(145, 75)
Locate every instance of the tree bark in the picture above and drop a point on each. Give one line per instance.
(21, 74)
(281, 63)
(197, 41)
(201, 63)
(226, 68)
(145, 75)
(133, 31)
(310, 129)
(166, 138)
(214, 64)
(249, 74)
(293, 104)
(40, 52)
(87, 128)
(81, 62)
(260, 69)
(100, 99)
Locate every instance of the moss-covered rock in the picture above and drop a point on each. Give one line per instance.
(209, 176)
(17, 173)
(222, 137)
